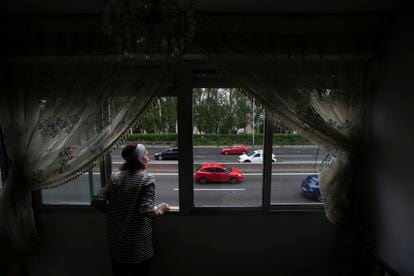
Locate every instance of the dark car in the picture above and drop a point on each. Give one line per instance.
(310, 187)
(167, 154)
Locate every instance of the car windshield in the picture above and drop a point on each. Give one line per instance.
(255, 153)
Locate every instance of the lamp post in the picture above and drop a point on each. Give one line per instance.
(253, 119)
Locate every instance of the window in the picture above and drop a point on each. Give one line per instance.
(224, 151)
(157, 130)
(79, 192)
(295, 176)
(227, 153)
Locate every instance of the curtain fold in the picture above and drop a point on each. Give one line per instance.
(319, 89)
(57, 119)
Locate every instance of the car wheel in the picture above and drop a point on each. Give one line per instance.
(247, 161)
(202, 180)
(244, 152)
(226, 153)
(320, 198)
(233, 180)
(160, 157)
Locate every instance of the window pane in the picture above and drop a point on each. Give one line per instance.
(227, 133)
(295, 175)
(158, 132)
(77, 192)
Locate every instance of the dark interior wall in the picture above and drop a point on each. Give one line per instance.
(282, 243)
(390, 193)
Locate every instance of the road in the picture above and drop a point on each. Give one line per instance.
(285, 190)
(285, 185)
(208, 154)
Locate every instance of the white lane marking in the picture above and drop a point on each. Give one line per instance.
(287, 174)
(235, 162)
(294, 155)
(215, 189)
(304, 173)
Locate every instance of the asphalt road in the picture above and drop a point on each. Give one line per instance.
(285, 190)
(285, 186)
(212, 154)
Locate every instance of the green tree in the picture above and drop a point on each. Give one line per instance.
(221, 110)
(241, 108)
(208, 110)
(161, 116)
(169, 114)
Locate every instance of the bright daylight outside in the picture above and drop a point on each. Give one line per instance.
(228, 129)
(228, 134)
(228, 148)
(157, 130)
(295, 175)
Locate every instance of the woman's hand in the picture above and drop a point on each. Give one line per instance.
(163, 208)
(158, 210)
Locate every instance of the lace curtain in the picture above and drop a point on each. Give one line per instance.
(318, 83)
(57, 119)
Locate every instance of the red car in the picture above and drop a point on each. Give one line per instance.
(215, 172)
(234, 149)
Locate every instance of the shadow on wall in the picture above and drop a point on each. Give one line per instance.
(391, 191)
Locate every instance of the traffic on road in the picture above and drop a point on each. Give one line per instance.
(219, 179)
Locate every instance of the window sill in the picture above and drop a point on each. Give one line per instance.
(54, 208)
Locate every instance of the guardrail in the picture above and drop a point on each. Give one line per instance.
(168, 166)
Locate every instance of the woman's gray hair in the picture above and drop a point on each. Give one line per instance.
(136, 155)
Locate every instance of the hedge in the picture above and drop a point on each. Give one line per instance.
(222, 139)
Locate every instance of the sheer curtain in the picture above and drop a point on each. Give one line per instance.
(57, 119)
(316, 81)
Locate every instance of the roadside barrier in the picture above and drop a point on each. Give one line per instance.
(171, 166)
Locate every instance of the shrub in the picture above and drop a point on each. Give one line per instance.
(222, 139)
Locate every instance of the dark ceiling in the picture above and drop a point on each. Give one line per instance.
(251, 6)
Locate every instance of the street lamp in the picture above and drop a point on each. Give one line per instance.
(253, 119)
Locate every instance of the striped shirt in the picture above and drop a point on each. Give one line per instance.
(125, 199)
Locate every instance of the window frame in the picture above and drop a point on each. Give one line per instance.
(183, 91)
(267, 207)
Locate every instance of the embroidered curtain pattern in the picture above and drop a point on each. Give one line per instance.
(315, 74)
(328, 115)
(57, 119)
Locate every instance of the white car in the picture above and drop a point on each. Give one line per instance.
(255, 157)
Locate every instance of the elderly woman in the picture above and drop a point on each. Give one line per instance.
(128, 200)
